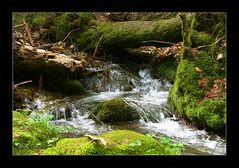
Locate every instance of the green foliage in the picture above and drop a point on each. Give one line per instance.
(33, 133)
(151, 135)
(25, 112)
(120, 142)
(115, 110)
(137, 142)
(170, 147)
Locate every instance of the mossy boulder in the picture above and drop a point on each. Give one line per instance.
(119, 142)
(67, 86)
(115, 110)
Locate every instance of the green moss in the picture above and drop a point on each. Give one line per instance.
(64, 23)
(185, 89)
(115, 110)
(120, 142)
(186, 93)
(200, 38)
(129, 34)
(67, 86)
(166, 68)
(210, 113)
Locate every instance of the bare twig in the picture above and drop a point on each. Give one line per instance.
(96, 48)
(69, 34)
(18, 25)
(155, 41)
(96, 118)
(96, 139)
(200, 47)
(93, 114)
(215, 29)
(15, 86)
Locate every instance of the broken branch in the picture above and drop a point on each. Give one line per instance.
(200, 47)
(22, 83)
(69, 34)
(96, 49)
(96, 139)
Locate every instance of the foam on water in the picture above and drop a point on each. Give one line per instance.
(149, 96)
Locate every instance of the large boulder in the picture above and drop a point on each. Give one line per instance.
(115, 110)
(120, 142)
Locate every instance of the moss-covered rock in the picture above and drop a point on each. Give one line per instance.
(67, 86)
(166, 68)
(211, 112)
(120, 142)
(115, 110)
(187, 96)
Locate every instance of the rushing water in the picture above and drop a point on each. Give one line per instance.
(149, 96)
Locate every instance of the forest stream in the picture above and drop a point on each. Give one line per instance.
(147, 94)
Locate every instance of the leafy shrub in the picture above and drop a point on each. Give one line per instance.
(32, 133)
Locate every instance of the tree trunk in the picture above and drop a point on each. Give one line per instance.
(131, 34)
(30, 63)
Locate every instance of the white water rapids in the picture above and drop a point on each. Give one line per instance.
(149, 96)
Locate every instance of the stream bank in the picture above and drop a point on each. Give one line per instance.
(149, 97)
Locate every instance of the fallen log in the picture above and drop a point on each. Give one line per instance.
(131, 34)
(30, 63)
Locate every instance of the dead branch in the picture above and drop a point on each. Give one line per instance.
(210, 45)
(95, 139)
(96, 48)
(18, 25)
(69, 34)
(25, 25)
(21, 83)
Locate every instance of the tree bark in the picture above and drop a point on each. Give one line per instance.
(30, 63)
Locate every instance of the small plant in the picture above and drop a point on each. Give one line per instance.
(151, 135)
(137, 142)
(52, 141)
(170, 147)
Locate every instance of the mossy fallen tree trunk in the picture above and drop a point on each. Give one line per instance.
(131, 34)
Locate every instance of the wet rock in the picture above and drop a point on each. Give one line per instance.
(115, 110)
